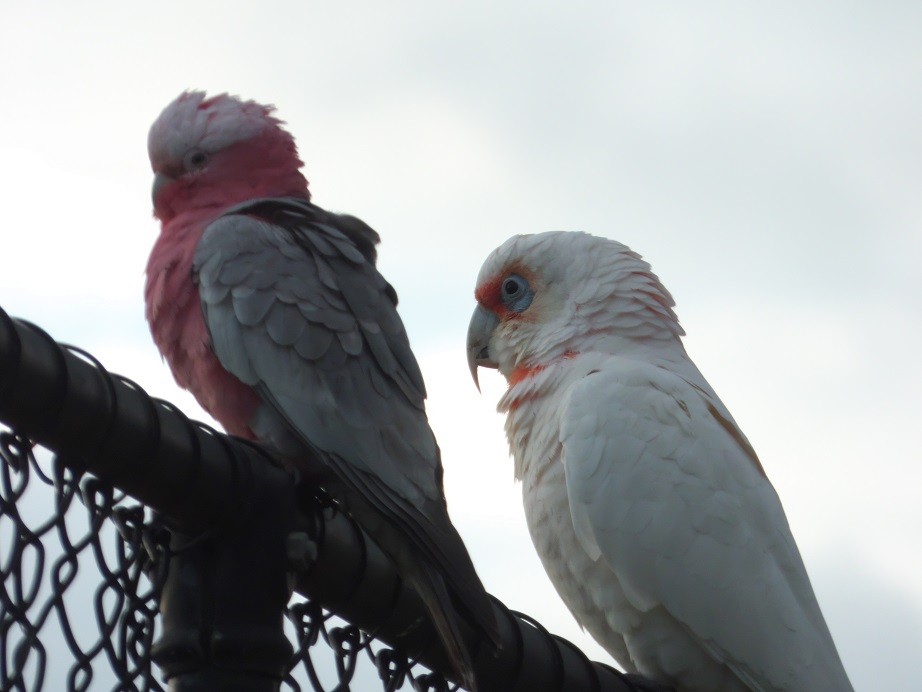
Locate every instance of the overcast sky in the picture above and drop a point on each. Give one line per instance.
(767, 162)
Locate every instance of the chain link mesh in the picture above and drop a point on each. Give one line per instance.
(81, 569)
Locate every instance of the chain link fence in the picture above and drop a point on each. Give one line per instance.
(77, 577)
(139, 550)
(82, 567)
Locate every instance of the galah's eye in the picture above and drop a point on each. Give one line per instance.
(515, 293)
(195, 160)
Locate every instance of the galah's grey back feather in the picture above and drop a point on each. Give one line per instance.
(296, 308)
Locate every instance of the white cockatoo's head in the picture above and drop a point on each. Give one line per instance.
(541, 297)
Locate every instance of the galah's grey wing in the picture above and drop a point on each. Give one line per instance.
(296, 309)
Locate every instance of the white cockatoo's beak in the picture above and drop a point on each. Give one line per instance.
(479, 332)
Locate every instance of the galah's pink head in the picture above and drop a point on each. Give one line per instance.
(213, 153)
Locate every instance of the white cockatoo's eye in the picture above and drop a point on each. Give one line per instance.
(195, 160)
(515, 293)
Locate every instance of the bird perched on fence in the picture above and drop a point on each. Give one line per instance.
(646, 503)
(271, 312)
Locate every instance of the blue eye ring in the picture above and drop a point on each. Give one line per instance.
(515, 293)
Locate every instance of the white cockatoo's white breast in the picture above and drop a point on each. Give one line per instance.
(639, 634)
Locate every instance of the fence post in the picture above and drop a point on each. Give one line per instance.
(224, 599)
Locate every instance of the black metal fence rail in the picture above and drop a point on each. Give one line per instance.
(210, 557)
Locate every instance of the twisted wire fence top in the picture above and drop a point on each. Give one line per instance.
(85, 548)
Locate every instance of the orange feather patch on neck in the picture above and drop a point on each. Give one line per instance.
(523, 372)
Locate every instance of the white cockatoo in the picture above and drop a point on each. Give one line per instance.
(646, 503)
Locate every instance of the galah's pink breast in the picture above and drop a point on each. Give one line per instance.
(178, 327)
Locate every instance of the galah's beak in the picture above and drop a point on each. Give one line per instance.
(161, 180)
(483, 322)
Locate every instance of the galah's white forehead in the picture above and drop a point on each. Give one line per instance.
(194, 121)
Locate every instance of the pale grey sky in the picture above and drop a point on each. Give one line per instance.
(767, 161)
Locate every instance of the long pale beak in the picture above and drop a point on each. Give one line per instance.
(161, 180)
(483, 322)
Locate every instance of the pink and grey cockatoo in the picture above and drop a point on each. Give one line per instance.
(271, 312)
(646, 503)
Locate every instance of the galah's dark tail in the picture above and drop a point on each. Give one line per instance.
(432, 589)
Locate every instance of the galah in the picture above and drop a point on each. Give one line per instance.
(271, 312)
(647, 505)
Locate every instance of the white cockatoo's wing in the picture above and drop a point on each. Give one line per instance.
(665, 489)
